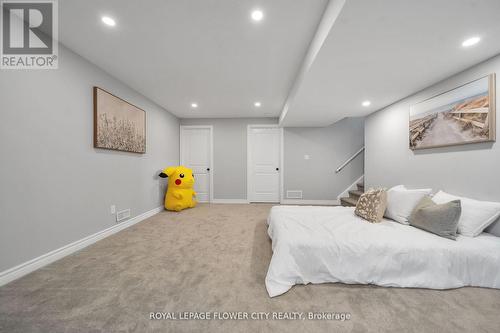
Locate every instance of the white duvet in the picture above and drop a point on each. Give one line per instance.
(331, 244)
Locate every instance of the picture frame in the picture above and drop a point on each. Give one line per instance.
(118, 124)
(462, 115)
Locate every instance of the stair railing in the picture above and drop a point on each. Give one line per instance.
(349, 160)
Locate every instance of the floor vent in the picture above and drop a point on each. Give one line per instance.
(294, 194)
(122, 215)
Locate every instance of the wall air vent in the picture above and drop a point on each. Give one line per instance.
(294, 194)
(122, 215)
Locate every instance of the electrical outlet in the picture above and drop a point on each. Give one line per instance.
(113, 209)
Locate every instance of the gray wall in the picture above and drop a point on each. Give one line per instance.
(469, 170)
(55, 188)
(230, 154)
(327, 148)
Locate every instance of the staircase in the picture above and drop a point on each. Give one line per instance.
(355, 190)
(354, 195)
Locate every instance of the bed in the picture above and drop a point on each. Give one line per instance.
(331, 244)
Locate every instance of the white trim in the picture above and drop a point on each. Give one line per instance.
(281, 159)
(310, 202)
(351, 187)
(181, 159)
(282, 166)
(230, 201)
(248, 163)
(48, 258)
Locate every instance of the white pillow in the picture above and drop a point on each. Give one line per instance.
(401, 202)
(476, 215)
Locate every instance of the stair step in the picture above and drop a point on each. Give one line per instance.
(348, 201)
(355, 194)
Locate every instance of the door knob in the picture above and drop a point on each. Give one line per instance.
(277, 169)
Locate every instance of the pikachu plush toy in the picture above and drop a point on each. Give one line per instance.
(180, 193)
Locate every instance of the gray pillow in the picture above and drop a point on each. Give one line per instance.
(440, 219)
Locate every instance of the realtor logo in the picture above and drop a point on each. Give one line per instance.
(29, 34)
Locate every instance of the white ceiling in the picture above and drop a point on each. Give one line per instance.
(385, 50)
(206, 51)
(210, 52)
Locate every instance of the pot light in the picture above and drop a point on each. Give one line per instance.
(257, 104)
(366, 103)
(108, 21)
(194, 105)
(471, 41)
(257, 15)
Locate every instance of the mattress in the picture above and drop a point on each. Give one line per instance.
(331, 244)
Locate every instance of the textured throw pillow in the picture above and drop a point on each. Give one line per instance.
(371, 205)
(440, 219)
(401, 202)
(476, 215)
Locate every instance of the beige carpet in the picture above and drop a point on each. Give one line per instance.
(214, 258)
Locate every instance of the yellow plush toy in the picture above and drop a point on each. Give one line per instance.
(180, 193)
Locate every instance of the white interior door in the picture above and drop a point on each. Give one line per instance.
(264, 156)
(196, 153)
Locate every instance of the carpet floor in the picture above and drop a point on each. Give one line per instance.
(214, 258)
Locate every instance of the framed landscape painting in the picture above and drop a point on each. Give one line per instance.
(118, 125)
(460, 116)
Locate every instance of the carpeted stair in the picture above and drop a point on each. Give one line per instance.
(354, 195)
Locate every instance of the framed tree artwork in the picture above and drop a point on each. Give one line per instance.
(118, 125)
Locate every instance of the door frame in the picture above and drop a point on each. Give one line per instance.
(281, 159)
(211, 147)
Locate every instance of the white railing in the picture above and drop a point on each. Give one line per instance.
(349, 160)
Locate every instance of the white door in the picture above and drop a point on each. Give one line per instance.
(264, 151)
(196, 154)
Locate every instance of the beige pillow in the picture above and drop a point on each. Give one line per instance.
(371, 205)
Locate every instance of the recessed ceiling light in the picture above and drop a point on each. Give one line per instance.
(257, 104)
(108, 21)
(194, 105)
(366, 103)
(257, 15)
(471, 41)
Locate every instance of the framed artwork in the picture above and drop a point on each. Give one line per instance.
(118, 125)
(460, 116)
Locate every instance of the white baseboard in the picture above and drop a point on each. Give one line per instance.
(229, 201)
(310, 202)
(48, 258)
(351, 187)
